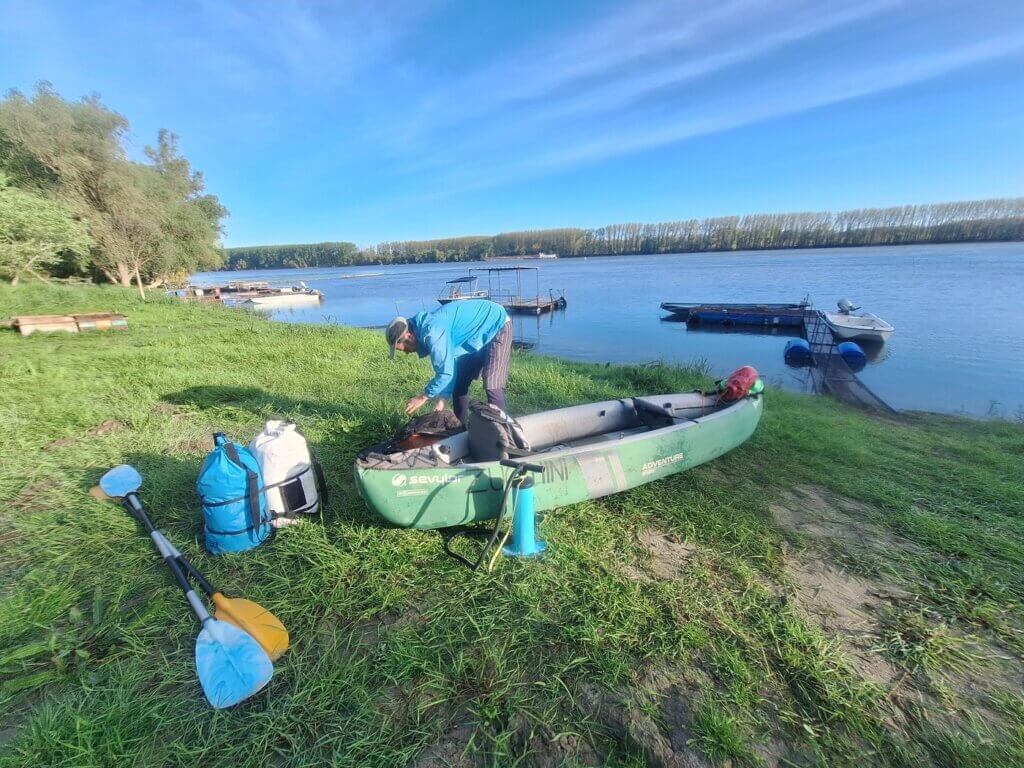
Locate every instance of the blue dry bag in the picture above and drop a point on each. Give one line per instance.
(230, 487)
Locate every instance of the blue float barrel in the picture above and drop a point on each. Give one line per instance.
(852, 353)
(797, 352)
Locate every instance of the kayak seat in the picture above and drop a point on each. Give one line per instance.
(653, 415)
(569, 425)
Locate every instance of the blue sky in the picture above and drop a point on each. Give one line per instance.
(392, 119)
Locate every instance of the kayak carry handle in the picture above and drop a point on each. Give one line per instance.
(522, 465)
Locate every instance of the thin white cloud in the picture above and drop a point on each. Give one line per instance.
(770, 99)
(704, 46)
(789, 98)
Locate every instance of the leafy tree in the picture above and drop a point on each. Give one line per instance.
(147, 221)
(35, 232)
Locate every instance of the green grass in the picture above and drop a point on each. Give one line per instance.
(395, 645)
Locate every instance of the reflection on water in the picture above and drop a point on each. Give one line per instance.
(958, 346)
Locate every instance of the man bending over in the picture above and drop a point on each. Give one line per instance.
(464, 339)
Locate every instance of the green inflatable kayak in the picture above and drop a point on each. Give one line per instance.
(587, 451)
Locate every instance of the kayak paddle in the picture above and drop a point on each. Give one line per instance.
(230, 664)
(264, 626)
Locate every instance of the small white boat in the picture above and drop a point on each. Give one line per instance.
(849, 325)
(461, 289)
(285, 297)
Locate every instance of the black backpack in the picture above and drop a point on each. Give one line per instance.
(493, 434)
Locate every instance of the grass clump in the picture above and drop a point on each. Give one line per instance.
(590, 656)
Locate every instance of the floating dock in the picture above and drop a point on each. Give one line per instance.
(512, 299)
(829, 373)
(729, 315)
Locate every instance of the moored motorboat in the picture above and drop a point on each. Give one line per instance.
(849, 325)
(285, 297)
(460, 289)
(586, 451)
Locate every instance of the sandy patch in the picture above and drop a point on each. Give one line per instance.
(848, 608)
(104, 428)
(655, 716)
(817, 513)
(540, 747)
(198, 446)
(108, 427)
(669, 555)
(453, 750)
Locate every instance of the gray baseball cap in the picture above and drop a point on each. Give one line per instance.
(396, 329)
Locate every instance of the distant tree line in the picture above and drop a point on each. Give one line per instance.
(294, 256)
(73, 204)
(972, 221)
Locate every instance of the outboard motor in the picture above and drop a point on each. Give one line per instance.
(846, 306)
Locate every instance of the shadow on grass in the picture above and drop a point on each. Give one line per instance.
(255, 400)
(364, 425)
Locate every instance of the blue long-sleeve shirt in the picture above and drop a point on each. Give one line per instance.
(457, 329)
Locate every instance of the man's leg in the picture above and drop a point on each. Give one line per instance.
(467, 369)
(497, 355)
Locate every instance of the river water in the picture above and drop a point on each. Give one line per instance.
(957, 309)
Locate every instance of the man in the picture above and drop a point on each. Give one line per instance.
(464, 339)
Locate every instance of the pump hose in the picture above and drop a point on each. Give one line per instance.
(479, 533)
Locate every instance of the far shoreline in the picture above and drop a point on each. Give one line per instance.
(801, 249)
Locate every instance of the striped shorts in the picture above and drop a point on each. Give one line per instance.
(497, 355)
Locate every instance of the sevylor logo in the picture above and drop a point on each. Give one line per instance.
(400, 480)
(653, 466)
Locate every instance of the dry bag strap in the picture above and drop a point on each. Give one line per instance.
(251, 484)
(320, 480)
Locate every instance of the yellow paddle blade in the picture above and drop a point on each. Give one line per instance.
(265, 628)
(97, 493)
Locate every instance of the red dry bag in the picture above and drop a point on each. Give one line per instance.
(738, 384)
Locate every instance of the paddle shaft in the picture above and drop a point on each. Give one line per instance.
(133, 504)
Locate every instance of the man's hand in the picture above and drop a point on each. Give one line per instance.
(440, 404)
(414, 404)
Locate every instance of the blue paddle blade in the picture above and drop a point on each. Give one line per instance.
(230, 664)
(120, 481)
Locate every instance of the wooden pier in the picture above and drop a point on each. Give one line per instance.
(512, 299)
(830, 373)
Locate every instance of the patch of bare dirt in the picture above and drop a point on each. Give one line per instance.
(33, 497)
(104, 428)
(967, 688)
(669, 554)
(173, 411)
(107, 427)
(363, 637)
(992, 670)
(817, 513)
(848, 608)
(63, 442)
(198, 446)
(453, 750)
(655, 716)
(541, 747)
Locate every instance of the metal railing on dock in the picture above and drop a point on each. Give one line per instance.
(830, 373)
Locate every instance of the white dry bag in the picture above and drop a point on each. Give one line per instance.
(292, 478)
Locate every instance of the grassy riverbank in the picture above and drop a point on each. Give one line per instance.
(840, 590)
